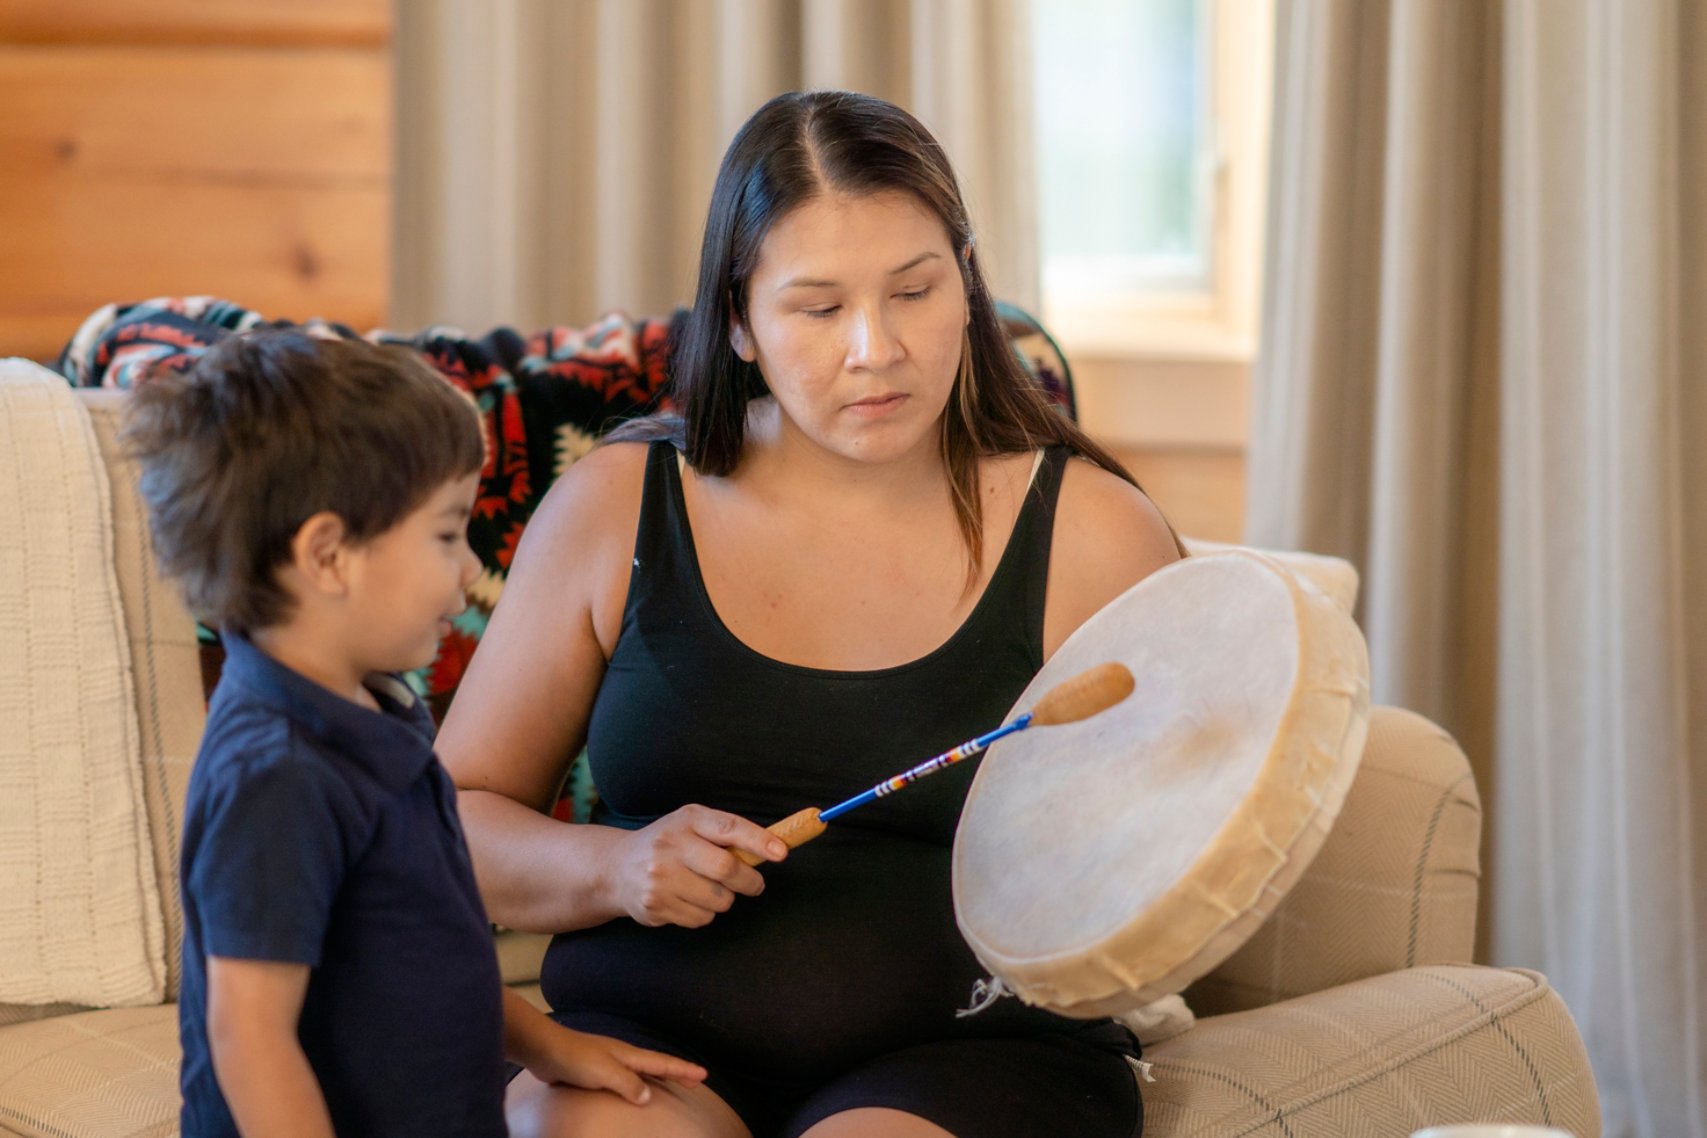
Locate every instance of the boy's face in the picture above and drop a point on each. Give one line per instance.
(408, 582)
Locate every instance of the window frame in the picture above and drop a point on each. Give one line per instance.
(1220, 323)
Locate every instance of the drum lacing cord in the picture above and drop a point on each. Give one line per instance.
(984, 993)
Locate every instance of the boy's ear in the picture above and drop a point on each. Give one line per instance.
(318, 553)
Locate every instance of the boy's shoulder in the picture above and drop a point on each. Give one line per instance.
(248, 733)
(272, 733)
(259, 778)
(252, 747)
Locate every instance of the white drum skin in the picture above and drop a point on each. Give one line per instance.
(1104, 864)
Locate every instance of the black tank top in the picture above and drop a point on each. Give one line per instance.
(852, 950)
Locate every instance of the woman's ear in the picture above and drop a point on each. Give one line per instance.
(966, 278)
(319, 553)
(741, 340)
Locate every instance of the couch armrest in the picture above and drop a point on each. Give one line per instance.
(1380, 1058)
(1394, 885)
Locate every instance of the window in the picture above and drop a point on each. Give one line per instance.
(1151, 134)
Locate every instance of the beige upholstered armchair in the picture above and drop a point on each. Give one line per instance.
(1354, 1011)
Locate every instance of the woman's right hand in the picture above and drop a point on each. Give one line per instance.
(680, 869)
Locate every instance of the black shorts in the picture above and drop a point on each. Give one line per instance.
(1072, 1084)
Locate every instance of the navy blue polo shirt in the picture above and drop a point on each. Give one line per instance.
(321, 833)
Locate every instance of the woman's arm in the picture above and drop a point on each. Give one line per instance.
(520, 716)
(252, 1010)
(1108, 537)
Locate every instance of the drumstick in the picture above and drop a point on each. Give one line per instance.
(1069, 701)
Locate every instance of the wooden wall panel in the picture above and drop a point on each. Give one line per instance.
(255, 171)
(306, 117)
(287, 252)
(364, 23)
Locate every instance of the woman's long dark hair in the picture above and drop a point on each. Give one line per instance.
(794, 148)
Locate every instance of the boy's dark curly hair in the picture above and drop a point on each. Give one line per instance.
(272, 427)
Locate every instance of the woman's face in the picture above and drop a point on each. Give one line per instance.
(855, 315)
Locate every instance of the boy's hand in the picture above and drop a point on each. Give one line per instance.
(553, 1053)
(597, 1063)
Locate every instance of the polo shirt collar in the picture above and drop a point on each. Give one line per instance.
(393, 746)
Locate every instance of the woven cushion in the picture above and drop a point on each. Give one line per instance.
(1379, 1059)
(106, 1074)
(29, 1013)
(1394, 884)
(166, 680)
(80, 906)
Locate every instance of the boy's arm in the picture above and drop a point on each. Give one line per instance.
(252, 1011)
(556, 1054)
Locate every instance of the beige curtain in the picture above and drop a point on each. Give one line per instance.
(1484, 379)
(556, 157)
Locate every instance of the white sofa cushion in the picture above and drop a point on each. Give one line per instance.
(1335, 576)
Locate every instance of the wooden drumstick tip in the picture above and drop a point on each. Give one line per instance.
(797, 829)
(1083, 695)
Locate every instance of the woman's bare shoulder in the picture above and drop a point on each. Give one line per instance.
(521, 710)
(1097, 498)
(600, 492)
(598, 473)
(574, 555)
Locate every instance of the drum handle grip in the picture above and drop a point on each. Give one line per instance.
(1082, 696)
(797, 829)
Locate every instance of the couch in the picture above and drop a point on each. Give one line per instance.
(1355, 1010)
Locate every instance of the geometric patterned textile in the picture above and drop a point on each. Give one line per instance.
(545, 399)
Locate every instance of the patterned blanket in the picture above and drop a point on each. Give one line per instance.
(545, 398)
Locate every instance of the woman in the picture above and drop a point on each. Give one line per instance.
(872, 535)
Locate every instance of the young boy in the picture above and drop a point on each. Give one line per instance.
(312, 497)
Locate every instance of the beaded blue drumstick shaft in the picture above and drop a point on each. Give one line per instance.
(1077, 698)
(930, 766)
